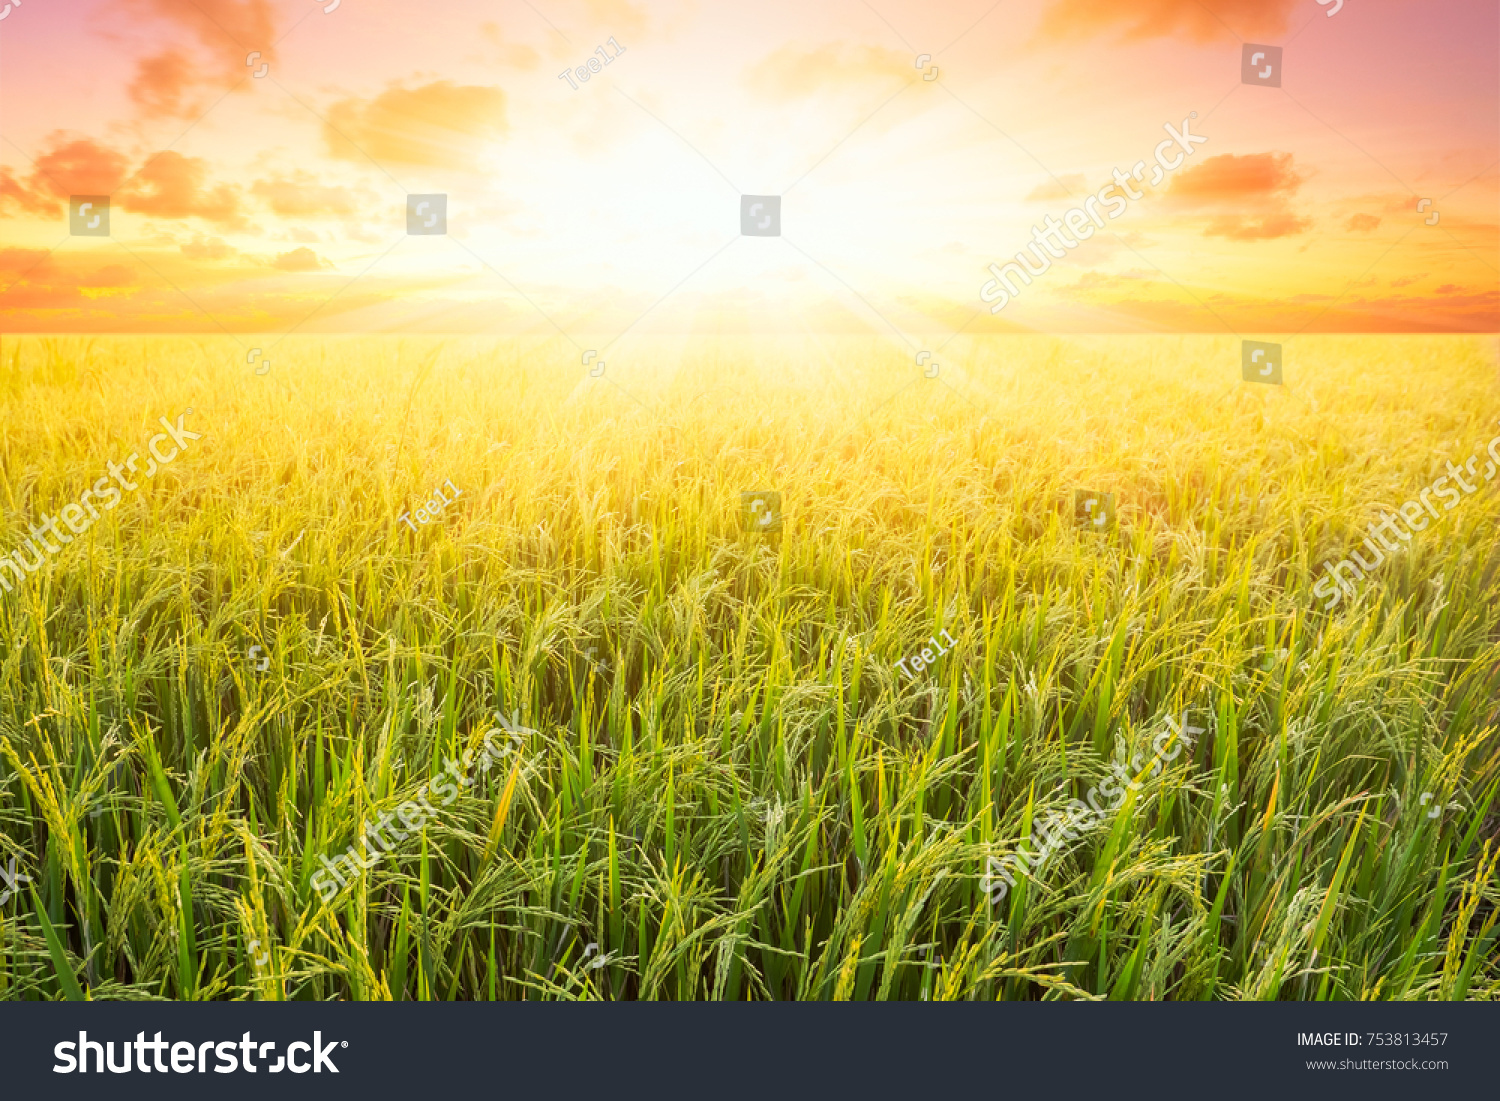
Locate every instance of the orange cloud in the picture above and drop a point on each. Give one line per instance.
(225, 31)
(1199, 20)
(34, 262)
(81, 167)
(436, 124)
(36, 280)
(1232, 178)
(1171, 310)
(1362, 223)
(1237, 227)
(1249, 196)
(78, 167)
(111, 275)
(16, 195)
(170, 185)
(251, 23)
(87, 288)
(301, 195)
(300, 259)
(791, 73)
(161, 82)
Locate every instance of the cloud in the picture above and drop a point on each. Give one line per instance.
(1476, 311)
(301, 195)
(208, 248)
(1249, 196)
(1231, 178)
(620, 16)
(436, 124)
(80, 167)
(16, 195)
(1362, 223)
(36, 263)
(221, 31)
(1101, 280)
(213, 21)
(1199, 20)
(170, 185)
(109, 276)
(71, 167)
(1236, 227)
(34, 278)
(300, 259)
(1063, 187)
(515, 55)
(162, 81)
(791, 73)
(91, 287)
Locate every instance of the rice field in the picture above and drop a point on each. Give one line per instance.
(722, 784)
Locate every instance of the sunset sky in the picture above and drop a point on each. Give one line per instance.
(278, 203)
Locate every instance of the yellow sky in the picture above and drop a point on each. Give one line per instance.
(278, 203)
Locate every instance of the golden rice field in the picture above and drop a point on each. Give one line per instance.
(724, 785)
